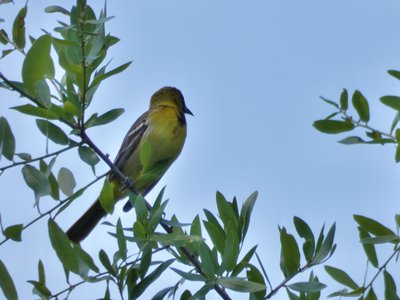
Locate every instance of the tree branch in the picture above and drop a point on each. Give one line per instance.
(56, 153)
(59, 205)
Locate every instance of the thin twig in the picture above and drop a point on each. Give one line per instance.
(286, 280)
(73, 286)
(60, 204)
(14, 87)
(366, 126)
(56, 153)
(397, 250)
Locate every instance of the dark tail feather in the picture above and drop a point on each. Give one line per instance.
(86, 223)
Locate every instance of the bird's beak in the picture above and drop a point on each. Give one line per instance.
(187, 111)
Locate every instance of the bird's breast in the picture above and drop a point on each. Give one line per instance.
(166, 135)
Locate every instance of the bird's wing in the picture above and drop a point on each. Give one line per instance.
(130, 142)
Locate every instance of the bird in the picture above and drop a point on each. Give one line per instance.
(162, 131)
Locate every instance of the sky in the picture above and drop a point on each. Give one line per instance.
(252, 73)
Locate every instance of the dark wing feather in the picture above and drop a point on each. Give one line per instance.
(130, 142)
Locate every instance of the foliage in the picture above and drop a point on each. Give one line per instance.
(371, 232)
(209, 251)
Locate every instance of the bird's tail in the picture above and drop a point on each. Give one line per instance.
(81, 228)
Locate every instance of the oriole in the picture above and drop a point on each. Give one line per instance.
(162, 129)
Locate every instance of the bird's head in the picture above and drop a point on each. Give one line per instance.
(169, 96)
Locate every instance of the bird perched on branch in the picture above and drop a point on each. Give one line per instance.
(149, 148)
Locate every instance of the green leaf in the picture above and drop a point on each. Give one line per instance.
(85, 258)
(99, 78)
(189, 276)
(31, 110)
(105, 118)
(88, 155)
(46, 169)
(42, 276)
(4, 53)
(394, 73)
(307, 287)
(292, 296)
(369, 249)
(240, 284)
(121, 240)
(305, 232)
(215, 231)
(341, 277)
(56, 9)
(231, 252)
(397, 154)
(106, 262)
(327, 247)
(148, 280)
(254, 275)
(42, 92)
(156, 214)
(371, 295)
(141, 208)
(53, 132)
(351, 140)
(397, 220)
(66, 181)
(225, 210)
(333, 126)
(361, 106)
(390, 286)
(85, 261)
(24, 156)
(7, 140)
(208, 265)
(145, 260)
(195, 229)
(14, 232)
(395, 122)
(372, 226)
(6, 283)
(62, 245)
(290, 255)
(160, 295)
(329, 102)
(4, 38)
(391, 101)
(244, 262)
(176, 239)
(344, 100)
(38, 64)
(201, 293)
(18, 30)
(36, 180)
(384, 239)
(40, 289)
(245, 213)
(106, 197)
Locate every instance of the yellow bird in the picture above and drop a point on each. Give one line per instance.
(161, 132)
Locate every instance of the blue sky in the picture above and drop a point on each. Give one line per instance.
(252, 73)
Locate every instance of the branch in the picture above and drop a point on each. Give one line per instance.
(15, 88)
(83, 62)
(56, 153)
(128, 184)
(60, 204)
(286, 280)
(366, 126)
(73, 286)
(396, 251)
(18, 90)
